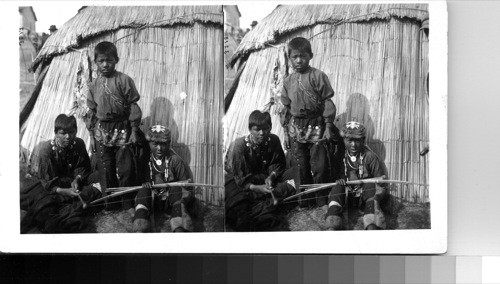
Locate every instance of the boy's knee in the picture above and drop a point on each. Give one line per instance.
(380, 193)
(337, 193)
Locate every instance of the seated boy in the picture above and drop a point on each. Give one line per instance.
(359, 163)
(163, 166)
(256, 178)
(307, 119)
(64, 169)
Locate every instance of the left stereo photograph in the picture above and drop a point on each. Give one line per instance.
(120, 120)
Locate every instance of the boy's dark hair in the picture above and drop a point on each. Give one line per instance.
(259, 119)
(105, 48)
(66, 123)
(301, 44)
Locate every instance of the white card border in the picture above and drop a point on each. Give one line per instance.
(433, 240)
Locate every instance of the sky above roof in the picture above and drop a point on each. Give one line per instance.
(254, 11)
(57, 13)
(51, 13)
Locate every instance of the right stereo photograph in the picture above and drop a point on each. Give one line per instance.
(326, 124)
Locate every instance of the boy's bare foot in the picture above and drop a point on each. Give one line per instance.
(141, 225)
(131, 212)
(181, 230)
(372, 227)
(334, 222)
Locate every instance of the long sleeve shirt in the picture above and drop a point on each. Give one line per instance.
(366, 165)
(307, 95)
(60, 166)
(113, 99)
(250, 164)
(171, 168)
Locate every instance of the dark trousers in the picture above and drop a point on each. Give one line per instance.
(51, 212)
(370, 199)
(176, 196)
(179, 199)
(313, 162)
(246, 210)
(116, 169)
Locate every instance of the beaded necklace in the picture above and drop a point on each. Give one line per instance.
(58, 148)
(156, 164)
(259, 149)
(352, 164)
(63, 154)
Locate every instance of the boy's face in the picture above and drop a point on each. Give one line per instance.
(159, 149)
(106, 64)
(300, 60)
(354, 145)
(259, 134)
(65, 137)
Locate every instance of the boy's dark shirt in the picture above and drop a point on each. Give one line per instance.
(307, 95)
(113, 99)
(59, 167)
(252, 164)
(372, 167)
(177, 169)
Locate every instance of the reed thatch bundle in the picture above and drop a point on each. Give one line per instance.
(174, 56)
(376, 57)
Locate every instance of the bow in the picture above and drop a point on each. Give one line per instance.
(124, 190)
(310, 188)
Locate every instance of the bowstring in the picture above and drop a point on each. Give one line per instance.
(285, 202)
(103, 203)
(327, 195)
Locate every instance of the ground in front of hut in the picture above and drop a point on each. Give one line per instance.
(399, 216)
(208, 218)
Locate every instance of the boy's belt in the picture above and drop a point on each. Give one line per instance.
(116, 137)
(307, 134)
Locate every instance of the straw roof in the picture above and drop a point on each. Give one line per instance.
(94, 20)
(174, 56)
(377, 67)
(286, 19)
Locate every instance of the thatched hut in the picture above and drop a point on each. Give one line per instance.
(174, 54)
(376, 57)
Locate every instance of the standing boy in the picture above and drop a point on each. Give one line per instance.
(256, 178)
(113, 121)
(163, 166)
(359, 163)
(307, 117)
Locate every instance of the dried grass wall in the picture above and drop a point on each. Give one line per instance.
(378, 71)
(164, 62)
